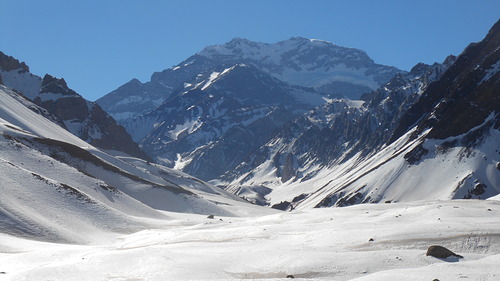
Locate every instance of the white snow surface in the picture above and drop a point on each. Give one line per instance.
(24, 82)
(315, 244)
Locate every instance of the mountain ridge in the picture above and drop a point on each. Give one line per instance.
(83, 118)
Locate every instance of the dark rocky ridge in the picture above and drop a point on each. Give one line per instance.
(67, 108)
(460, 100)
(92, 123)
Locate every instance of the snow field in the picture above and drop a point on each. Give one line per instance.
(317, 244)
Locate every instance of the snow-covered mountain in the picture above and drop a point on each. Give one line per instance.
(209, 126)
(225, 101)
(336, 130)
(83, 118)
(57, 187)
(330, 69)
(409, 140)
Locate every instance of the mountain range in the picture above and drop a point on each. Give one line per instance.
(262, 121)
(296, 124)
(224, 102)
(330, 69)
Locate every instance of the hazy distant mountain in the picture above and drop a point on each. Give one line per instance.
(70, 110)
(330, 69)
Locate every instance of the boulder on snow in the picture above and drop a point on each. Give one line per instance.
(441, 252)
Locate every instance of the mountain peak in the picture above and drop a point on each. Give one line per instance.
(51, 84)
(8, 63)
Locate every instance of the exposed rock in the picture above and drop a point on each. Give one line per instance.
(283, 205)
(85, 119)
(441, 252)
(9, 63)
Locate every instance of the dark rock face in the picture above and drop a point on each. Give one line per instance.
(464, 97)
(113, 135)
(441, 252)
(67, 105)
(85, 119)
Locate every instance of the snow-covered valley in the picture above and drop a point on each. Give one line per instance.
(315, 244)
(236, 177)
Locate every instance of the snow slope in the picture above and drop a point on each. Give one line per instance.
(56, 187)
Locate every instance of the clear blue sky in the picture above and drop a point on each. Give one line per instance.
(98, 45)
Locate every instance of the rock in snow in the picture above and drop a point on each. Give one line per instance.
(441, 252)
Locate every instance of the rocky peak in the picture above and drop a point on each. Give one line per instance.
(51, 84)
(419, 69)
(8, 63)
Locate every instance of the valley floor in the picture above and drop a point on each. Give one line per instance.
(317, 244)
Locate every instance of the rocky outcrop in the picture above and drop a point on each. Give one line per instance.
(339, 129)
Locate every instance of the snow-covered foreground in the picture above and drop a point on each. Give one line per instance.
(317, 244)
